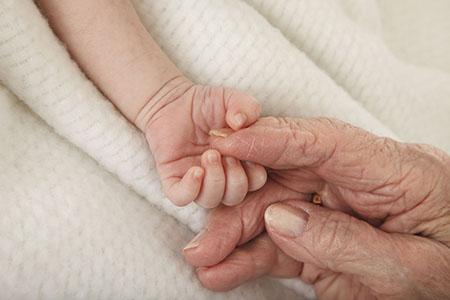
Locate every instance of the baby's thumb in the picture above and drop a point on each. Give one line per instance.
(330, 240)
(242, 110)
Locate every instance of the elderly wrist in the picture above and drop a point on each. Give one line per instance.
(170, 91)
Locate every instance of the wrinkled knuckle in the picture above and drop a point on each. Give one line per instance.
(387, 146)
(267, 122)
(279, 122)
(292, 127)
(434, 156)
(295, 134)
(384, 148)
(428, 167)
(308, 142)
(330, 122)
(333, 125)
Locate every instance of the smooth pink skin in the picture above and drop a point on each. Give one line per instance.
(400, 188)
(178, 135)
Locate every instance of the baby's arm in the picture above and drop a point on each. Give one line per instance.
(113, 48)
(116, 52)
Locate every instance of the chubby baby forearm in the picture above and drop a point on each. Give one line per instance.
(110, 44)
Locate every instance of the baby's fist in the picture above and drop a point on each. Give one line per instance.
(177, 122)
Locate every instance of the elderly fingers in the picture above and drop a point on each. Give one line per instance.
(258, 258)
(228, 227)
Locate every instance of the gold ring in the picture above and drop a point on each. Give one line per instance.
(316, 199)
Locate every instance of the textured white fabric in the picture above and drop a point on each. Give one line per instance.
(71, 230)
(74, 171)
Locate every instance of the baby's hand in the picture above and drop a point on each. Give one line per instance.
(177, 122)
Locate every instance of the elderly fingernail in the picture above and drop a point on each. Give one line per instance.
(240, 119)
(286, 220)
(223, 133)
(195, 242)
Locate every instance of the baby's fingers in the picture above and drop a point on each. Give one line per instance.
(242, 109)
(236, 186)
(185, 190)
(213, 186)
(256, 175)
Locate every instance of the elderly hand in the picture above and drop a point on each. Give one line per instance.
(403, 190)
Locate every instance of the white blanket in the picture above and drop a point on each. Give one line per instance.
(74, 174)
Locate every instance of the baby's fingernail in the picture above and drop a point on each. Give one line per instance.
(249, 163)
(240, 119)
(286, 220)
(197, 173)
(230, 160)
(223, 133)
(195, 242)
(213, 157)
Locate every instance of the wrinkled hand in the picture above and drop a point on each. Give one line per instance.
(177, 122)
(403, 190)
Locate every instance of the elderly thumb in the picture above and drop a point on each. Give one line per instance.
(267, 142)
(330, 239)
